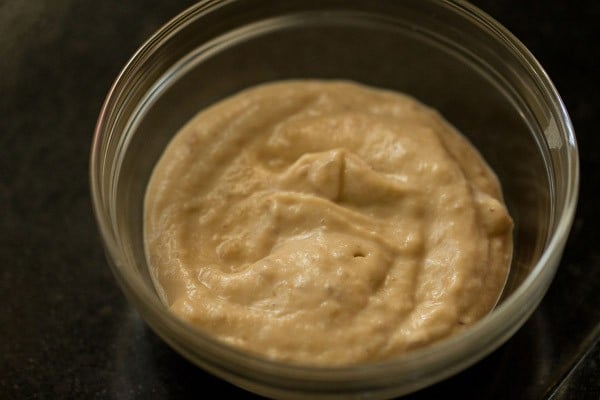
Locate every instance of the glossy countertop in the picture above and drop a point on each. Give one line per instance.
(66, 330)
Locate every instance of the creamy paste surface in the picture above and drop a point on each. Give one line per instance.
(325, 223)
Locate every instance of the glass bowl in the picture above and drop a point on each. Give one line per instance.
(447, 54)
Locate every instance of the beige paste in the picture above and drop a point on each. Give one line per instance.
(325, 223)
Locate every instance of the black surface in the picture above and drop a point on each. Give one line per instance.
(66, 331)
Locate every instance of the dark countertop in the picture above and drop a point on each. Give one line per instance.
(66, 330)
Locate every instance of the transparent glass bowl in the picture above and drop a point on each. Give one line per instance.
(447, 54)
